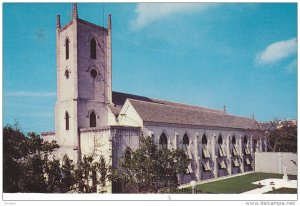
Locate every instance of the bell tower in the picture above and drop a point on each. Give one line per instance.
(83, 58)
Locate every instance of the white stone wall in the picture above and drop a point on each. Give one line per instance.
(88, 87)
(175, 135)
(66, 88)
(110, 143)
(129, 117)
(86, 107)
(273, 162)
(124, 138)
(112, 119)
(97, 143)
(93, 93)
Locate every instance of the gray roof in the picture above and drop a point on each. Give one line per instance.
(163, 113)
(119, 98)
(160, 111)
(115, 109)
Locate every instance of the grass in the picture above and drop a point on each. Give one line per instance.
(238, 184)
(283, 190)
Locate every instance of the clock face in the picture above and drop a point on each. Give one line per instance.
(93, 73)
(67, 74)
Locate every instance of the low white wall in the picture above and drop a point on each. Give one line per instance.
(273, 162)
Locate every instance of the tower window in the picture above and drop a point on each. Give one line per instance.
(93, 48)
(67, 48)
(67, 44)
(92, 119)
(67, 74)
(67, 117)
(93, 73)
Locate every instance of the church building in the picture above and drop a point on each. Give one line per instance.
(91, 119)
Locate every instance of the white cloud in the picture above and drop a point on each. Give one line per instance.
(30, 94)
(277, 51)
(148, 13)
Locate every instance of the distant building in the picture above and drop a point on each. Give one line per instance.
(90, 118)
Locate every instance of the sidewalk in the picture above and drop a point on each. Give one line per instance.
(278, 183)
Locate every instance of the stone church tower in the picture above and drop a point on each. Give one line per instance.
(83, 55)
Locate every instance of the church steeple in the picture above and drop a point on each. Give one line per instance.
(75, 11)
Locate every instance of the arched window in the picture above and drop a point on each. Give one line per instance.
(127, 154)
(255, 145)
(185, 142)
(221, 147)
(246, 145)
(163, 142)
(204, 140)
(92, 119)
(233, 141)
(234, 149)
(205, 152)
(67, 48)
(67, 117)
(93, 48)
(245, 140)
(220, 140)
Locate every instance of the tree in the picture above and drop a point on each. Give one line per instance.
(281, 136)
(68, 175)
(13, 150)
(90, 173)
(29, 166)
(150, 170)
(25, 160)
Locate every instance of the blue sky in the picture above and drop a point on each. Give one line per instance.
(243, 56)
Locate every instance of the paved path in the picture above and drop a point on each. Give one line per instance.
(266, 187)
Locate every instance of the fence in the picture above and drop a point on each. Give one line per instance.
(186, 191)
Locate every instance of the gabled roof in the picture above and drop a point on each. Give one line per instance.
(155, 112)
(160, 111)
(119, 98)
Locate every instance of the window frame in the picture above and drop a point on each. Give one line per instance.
(67, 122)
(93, 119)
(93, 49)
(67, 48)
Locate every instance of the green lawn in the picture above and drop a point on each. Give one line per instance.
(283, 191)
(238, 184)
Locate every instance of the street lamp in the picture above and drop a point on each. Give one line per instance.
(193, 185)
